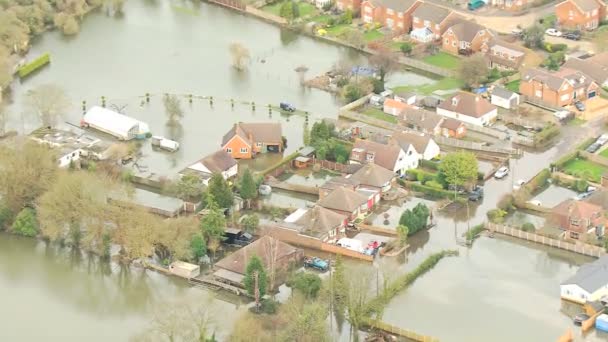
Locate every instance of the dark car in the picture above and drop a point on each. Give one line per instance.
(243, 239)
(580, 106)
(593, 148)
(575, 35)
(287, 107)
(476, 194)
(580, 318)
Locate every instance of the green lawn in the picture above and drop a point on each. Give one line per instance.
(304, 7)
(379, 114)
(513, 86)
(604, 153)
(321, 19)
(427, 89)
(372, 35)
(576, 122)
(585, 169)
(443, 60)
(337, 30)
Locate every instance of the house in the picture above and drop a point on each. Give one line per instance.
(118, 125)
(217, 162)
(71, 145)
(245, 140)
(339, 182)
(557, 88)
(468, 108)
(580, 14)
(394, 107)
(317, 222)
(600, 58)
(503, 55)
(511, 5)
(504, 98)
(391, 157)
(465, 37)
(353, 5)
(422, 120)
(347, 202)
(392, 14)
(597, 71)
(405, 97)
(374, 177)
(589, 284)
(453, 128)
(430, 21)
(578, 217)
(424, 144)
(276, 256)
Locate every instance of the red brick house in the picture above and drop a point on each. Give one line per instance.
(578, 217)
(560, 88)
(580, 14)
(353, 5)
(245, 140)
(430, 21)
(503, 55)
(393, 14)
(465, 37)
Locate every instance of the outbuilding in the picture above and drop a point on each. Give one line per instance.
(184, 269)
(118, 125)
(589, 284)
(504, 98)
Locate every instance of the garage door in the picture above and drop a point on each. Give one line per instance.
(591, 94)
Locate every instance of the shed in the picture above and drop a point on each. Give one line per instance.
(118, 125)
(306, 151)
(301, 162)
(184, 269)
(504, 98)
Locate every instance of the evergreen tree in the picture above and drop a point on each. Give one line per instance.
(255, 265)
(220, 190)
(248, 188)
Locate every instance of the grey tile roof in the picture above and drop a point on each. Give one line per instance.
(418, 140)
(267, 132)
(591, 276)
(432, 13)
(424, 119)
(502, 93)
(384, 155)
(598, 72)
(542, 76)
(218, 161)
(467, 30)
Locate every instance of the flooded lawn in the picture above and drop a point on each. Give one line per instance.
(482, 293)
(518, 218)
(289, 199)
(394, 212)
(306, 177)
(554, 195)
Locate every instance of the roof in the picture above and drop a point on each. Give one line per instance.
(340, 181)
(184, 265)
(373, 175)
(595, 70)
(343, 199)
(501, 51)
(395, 104)
(406, 94)
(592, 276)
(317, 221)
(600, 198)
(384, 155)
(237, 261)
(467, 104)
(418, 140)
(306, 151)
(425, 119)
(451, 124)
(111, 121)
(216, 162)
(502, 93)
(467, 30)
(267, 132)
(600, 58)
(581, 210)
(551, 80)
(432, 13)
(151, 200)
(396, 5)
(586, 5)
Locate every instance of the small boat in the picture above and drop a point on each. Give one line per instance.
(265, 189)
(165, 144)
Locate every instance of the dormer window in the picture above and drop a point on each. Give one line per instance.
(454, 101)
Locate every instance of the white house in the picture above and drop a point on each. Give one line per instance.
(589, 284)
(321, 3)
(118, 125)
(504, 98)
(217, 162)
(468, 108)
(392, 157)
(426, 148)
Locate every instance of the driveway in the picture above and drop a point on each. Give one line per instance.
(583, 45)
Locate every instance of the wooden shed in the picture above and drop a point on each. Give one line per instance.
(184, 269)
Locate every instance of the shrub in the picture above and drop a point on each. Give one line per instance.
(581, 185)
(430, 191)
(415, 219)
(26, 224)
(559, 164)
(5, 216)
(434, 184)
(307, 283)
(547, 133)
(496, 215)
(528, 227)
(429, 164)
(36, 64)
(540, 180)
(406, 48)
(269, 306)
(473, 233)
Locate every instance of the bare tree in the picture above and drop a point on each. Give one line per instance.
(272, 256)
(240, 56)
(49, 102)
(173, 109)
(386, 61)
(473, 70)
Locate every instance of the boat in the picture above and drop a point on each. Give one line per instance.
(164, 143)
(265, 189)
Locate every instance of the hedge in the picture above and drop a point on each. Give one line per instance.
(474, 233)
(539, 180)
(586, 143)
(421, 175)
(547, 133)
(284, 161)
(559, 164)
(432, 192)
(36, 64)
(429, 164)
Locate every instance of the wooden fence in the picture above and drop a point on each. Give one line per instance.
(540, 104)
(519, 121)
(487, 131)
(329, 165)
(596, 158)
(329, 248)
(579, 248)
(398, 331)
(376, 229)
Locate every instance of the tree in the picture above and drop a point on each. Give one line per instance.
(248, 188)
(386, 61)
(473, 70)
(402, 233)
(307, 283)
(189, 187)
(25, 223)
(528, 227)
(198, 247)
(14, 34)
(306, 322)
(406, 48)
(352, 93)
(255, 268)
(173, 109)
(213, 224)
(600, 40)
(306, 135)
(458, 169)
(219, 188)
(174, 239)
(251, 223)
(49, 102)
(289, 10)
(534, 37)
(414, 220)
(240, 56)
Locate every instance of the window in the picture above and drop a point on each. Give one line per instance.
(229, 150)
(538, 93)
(244, 150)
(482, 32)
(454, 44)
(571, 14)
(574, 222)
(368, 9)
(416, 20)
(390, 11)
(594, 12)
(446, 41)
(564, 97)
(400, 15)
(258, 144)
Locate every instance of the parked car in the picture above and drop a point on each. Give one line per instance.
(476, 194)
(574, 35)
(287, 107)
(501, 173)
(593, 148)
(535, 202)
(518, 184)
(243, 239)
(517, 32)
(582, 195)
(316, 263)
(580, 106)
(553, 32)
(602, 140)
(563, 115)
(376, 100)
(580, 318)
(475, 4)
